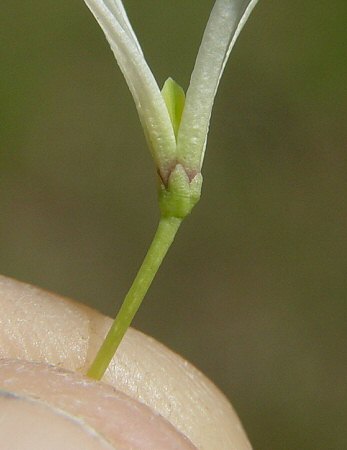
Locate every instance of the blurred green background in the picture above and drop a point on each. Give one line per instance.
(254, 290)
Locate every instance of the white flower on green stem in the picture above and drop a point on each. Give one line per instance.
(175, 128)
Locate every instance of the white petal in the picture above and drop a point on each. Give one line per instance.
(117, 9)
(149, 102)
(225, 24)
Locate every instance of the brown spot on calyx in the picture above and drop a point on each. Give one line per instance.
(164, 174)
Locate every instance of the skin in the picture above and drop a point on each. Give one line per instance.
(149, 398)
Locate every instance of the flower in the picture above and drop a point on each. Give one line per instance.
(175, 128)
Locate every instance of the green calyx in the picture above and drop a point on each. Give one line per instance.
(174, 98)
(180, 195)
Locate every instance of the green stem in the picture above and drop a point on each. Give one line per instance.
(162, 241)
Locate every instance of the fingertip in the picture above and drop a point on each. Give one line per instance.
(39, 326)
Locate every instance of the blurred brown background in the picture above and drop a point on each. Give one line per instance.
(254, 290)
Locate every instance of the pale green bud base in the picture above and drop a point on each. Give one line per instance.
(176, 202)
(181, 194)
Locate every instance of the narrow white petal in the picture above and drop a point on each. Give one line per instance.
(149, 102)
(225, 24)
(117, 9)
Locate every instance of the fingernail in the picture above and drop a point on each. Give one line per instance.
(123, 421)
(27, 423)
